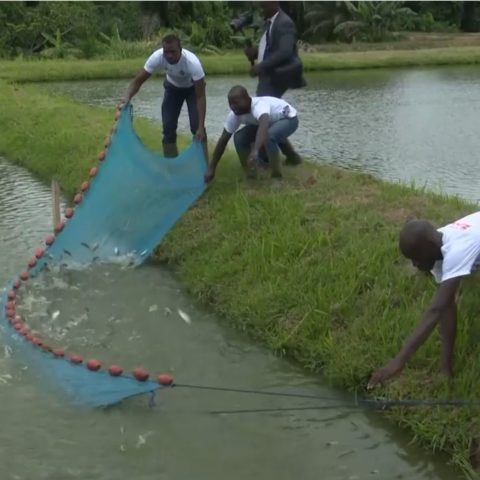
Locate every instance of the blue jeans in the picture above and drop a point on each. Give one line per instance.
(173, 99)
(278, 132)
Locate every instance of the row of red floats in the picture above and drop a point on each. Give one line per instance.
(18, 323)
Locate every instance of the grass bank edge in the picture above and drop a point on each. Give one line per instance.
(311, 268)
(236, 63)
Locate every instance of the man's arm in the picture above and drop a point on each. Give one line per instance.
(448, 333)
(201, 107)
(262, 133)
(136, 83)
(440, 307)
(217, 154)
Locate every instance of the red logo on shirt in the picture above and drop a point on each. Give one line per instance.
(461, 225)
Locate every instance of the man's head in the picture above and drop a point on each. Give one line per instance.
(420, 241)
(239, 100)
(269, 9)
(172, 48)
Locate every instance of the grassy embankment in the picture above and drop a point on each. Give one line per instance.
(235, 63)
(310, 267)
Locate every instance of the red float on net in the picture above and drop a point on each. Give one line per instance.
(59, 226)
(140, 374)
(94, 364)
(50, 240)
(115, 370)
(165, 379)
(77, 359)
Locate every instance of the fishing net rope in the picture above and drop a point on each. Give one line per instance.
(132, 199)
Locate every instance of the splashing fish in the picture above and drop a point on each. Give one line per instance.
(185, 317)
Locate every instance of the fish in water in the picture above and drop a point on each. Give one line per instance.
(86, 245)
(185, 317)
(55, 314)
(67, 252)
(117, 251)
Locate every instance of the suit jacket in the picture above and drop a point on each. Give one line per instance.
(281, 62)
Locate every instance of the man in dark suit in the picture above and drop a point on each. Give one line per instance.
(278, 65)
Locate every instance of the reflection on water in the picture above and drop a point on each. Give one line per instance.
(403, 125)
(131, 316)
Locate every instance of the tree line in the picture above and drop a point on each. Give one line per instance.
(125, 29)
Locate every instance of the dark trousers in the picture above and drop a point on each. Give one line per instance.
(266, 89)
(173, 99)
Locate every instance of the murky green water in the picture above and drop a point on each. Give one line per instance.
(130, 316)
(416, 125)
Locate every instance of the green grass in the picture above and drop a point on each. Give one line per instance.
(235, 63)
(310, 266)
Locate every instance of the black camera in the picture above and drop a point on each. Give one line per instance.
(242, 21)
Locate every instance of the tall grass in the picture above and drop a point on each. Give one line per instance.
(234, 63)
(309, 266)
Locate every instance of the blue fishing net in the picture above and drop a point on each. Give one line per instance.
(133, 201)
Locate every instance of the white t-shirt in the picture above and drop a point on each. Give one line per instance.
(460, 248)
(275, 107)
(186, 71)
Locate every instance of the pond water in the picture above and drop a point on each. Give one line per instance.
(130, 316)
(408, 125)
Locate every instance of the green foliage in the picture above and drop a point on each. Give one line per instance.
(372, 21)
(375, 21)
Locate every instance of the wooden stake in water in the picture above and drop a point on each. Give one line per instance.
(55, 202)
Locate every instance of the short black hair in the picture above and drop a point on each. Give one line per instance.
(239, 90)
(171, 38)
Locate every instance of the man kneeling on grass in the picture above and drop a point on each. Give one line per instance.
(268, 122)
(450, 253)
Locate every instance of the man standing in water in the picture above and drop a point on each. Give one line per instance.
(185, 81)
(268, 121)
(450, 253)
(278, 66)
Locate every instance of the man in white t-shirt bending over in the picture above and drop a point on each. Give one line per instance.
(450, 253)
(268, 121)
(185, 81)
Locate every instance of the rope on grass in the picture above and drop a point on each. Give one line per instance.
(374, 403)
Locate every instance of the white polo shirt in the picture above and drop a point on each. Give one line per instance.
(460, 249)
(275, 107)
(186, 71)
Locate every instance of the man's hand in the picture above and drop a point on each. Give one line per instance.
(388, 371)
(121, 103)
(251, 53)
(255, 70)
(200, 135)
(252, 160)
(209, 174)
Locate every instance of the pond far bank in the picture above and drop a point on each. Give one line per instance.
(309, 267)
(235, 63)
